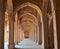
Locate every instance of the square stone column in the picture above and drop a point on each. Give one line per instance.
(11, 23)
(1, 24)
(11, 33)
(58, 24)
(40, 33)
(46, 32)
(51, 35)
(39, 29)
(45, 24)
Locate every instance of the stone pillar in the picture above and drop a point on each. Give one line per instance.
(40, 33)
(35, 33)
(11, 24)
(45, 24)
(11, 32)
(56, 24)
(46, 31)
(15, 33)
(51, 35)
(18, 32)
(15, 29)
(40, 29)
(1, 25)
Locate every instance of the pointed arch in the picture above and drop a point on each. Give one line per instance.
(40, 15)
(31, 5)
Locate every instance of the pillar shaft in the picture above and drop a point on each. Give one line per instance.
(40, 33)
(55, 7)
(58, 24)
(11, 33)
(46, 39)
(11, 24)
(18, 31)
(15, 31)
(40, 29)
(51, 36)
(35, 33)
(45, 24)
(1, 25)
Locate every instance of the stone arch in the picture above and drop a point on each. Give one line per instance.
(32, 16)
(54, 23)
(39, 12)
(31, 5)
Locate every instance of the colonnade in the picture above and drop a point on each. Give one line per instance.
(48, 44)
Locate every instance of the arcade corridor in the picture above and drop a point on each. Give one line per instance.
(29, 24)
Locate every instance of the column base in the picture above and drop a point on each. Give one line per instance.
(11, 46)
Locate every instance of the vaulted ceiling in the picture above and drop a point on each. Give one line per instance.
(28, 13)
(16, 3)
(27, 17)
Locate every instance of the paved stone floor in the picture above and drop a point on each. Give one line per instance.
(25, 44)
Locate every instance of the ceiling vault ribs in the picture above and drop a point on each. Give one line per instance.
(33, 6)
(31, 16)
(17, 3)
(27, 13)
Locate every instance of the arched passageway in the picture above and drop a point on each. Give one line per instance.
(29, 20)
